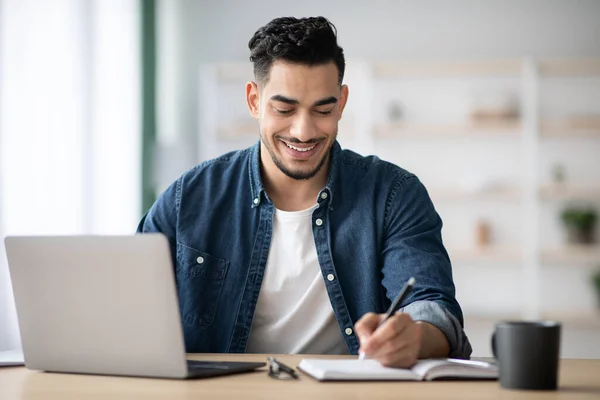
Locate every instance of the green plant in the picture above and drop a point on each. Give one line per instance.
(596, 281)
(579, 218)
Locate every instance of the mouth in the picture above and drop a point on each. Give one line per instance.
(301, 151)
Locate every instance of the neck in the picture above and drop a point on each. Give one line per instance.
(290, 194)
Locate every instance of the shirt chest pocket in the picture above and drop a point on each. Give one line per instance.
(200, 279)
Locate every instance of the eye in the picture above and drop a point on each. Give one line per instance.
(324, 112)
(283, 112)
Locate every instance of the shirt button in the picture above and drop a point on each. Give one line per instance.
(348, 331)
(319, 222)
(324, 195)
(255, 201)
(330, 277)
(200, 260)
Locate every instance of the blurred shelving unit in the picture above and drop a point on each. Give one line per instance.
(575, 127)
(467, 130)
(569, 67)
(589, 319)
(460, 125)
(571, 255)
(445, 68)
(488, 254)
(508, 193)
(569, 136)
(568, 191)
(245, 129)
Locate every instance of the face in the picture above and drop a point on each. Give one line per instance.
(298, 110)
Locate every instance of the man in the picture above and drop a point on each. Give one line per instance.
(297, 246)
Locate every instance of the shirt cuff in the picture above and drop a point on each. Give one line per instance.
(438, 316)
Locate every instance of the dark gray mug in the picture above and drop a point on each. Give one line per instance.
(527, 354)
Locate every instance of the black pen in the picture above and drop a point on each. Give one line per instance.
(394, 307)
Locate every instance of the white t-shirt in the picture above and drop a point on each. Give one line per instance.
(293, 314)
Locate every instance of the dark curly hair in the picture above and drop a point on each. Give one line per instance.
(308, 41)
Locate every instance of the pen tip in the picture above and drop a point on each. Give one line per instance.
(411, 281)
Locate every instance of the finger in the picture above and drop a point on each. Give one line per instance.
(365, 326)
(398, 350)
(403, 352)
(404, 358)
(388, 350)
(389, 331)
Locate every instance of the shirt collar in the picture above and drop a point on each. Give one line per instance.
(257, 189)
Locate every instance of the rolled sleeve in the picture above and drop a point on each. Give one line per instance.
(438, 316)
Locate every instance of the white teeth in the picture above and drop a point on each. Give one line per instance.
(298, 148)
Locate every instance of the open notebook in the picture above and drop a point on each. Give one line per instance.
(356, 370)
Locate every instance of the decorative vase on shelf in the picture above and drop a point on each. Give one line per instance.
(395, 111)
(494, 106)
(558, 174)
(580, 224)
(577, 235)
(482, 234)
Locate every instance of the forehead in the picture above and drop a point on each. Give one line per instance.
(302, 82)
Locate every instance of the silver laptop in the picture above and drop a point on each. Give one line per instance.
(102, 305)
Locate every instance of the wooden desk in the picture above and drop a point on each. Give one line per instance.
(579, 379)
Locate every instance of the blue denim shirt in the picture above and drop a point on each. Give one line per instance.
(375, 227)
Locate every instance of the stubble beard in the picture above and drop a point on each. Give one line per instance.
(297, 175)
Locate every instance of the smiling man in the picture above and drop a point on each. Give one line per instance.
(297, 246)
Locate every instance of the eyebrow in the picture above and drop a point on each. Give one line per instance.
(287, 100)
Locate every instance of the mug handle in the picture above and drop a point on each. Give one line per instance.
(494, 345)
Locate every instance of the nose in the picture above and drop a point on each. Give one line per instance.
(303, 127)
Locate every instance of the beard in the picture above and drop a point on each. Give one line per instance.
(295, 174)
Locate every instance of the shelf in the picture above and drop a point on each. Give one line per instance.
(494, 254)
(488, 319)
(573, 318)
(447, 68)
(397, 69)
(584, 126)
(570, 133)
(470, 130)
(496, 194)
(234, 72)
(572, 254)
(242, 130)
(569, 191)
(566, 68)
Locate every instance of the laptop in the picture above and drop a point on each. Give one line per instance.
(102, 305)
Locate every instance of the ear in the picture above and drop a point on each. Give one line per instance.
(253, 98)
(342, 100)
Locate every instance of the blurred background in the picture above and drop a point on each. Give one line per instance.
(495, 105)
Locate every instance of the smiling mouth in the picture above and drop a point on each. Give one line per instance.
(300, 149)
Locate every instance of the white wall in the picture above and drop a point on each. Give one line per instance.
(416, 28)
(220, 30)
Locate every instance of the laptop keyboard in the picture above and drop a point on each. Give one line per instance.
(198, 365)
